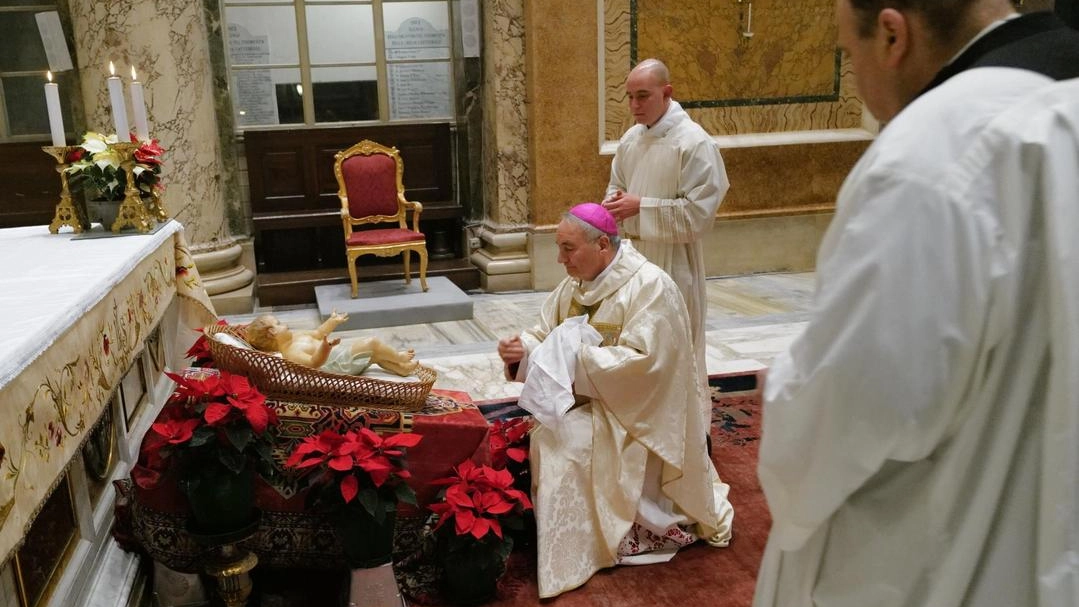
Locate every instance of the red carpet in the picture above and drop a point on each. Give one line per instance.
(698, 576)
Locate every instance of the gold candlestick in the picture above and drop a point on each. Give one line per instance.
(68, 213)
(230, 567)
(155, 207)
(132, 211)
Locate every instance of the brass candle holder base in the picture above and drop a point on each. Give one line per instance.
(156, 208)
(132, 212)
(228, 561)
(68, 213)
(231, 567)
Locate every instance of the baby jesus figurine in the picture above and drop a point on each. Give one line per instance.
(316, 350)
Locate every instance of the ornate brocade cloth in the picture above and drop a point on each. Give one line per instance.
(75, 316)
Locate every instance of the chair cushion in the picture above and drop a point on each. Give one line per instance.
(371, 185)
(384, 236)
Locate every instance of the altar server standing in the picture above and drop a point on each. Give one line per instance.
(667, 181)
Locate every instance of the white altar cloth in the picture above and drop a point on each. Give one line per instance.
(47, 281)
(75, 315)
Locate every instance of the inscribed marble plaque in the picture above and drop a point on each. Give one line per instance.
(417, 39)
(419, 90)
(254, 98)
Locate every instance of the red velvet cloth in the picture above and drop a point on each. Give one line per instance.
(371, 185)
(384, 236)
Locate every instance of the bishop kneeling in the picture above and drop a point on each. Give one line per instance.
(621, 471)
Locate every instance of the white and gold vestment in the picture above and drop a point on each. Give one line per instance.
(634, 451)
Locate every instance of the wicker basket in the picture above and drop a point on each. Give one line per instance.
(284, 380)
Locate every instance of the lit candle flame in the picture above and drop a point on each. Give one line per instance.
(133, 76)
(112, 69)
(48, 74)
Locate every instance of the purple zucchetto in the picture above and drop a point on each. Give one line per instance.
(596, 216)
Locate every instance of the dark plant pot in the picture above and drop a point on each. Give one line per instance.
(103, 211)
(470, 572)
(221, 501)
(524, 537)
(365, 542)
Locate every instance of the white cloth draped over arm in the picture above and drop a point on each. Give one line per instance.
(548, 389)
(873, 379)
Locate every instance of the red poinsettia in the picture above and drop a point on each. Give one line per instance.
(215, 418)
(200, 350)
(479, 500)
(508, 441)
(365, 466)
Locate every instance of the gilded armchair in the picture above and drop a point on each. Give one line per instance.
(370, 186)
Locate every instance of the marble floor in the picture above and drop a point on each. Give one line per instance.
(750, 320)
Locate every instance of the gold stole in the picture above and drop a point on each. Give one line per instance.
(608, 331)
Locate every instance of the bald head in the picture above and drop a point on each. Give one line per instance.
(648, 89)
(653, 68)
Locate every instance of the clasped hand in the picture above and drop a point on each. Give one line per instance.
(622, 205)
(511, 350)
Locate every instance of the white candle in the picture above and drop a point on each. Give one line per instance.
(56, 118)
(138, 105)
(119, 108)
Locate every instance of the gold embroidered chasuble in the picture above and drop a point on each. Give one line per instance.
(645, 408)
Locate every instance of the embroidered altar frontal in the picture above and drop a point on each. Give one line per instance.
(75, 316)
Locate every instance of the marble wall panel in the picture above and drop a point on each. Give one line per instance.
(786, 179)
(786, 77)
(505, 120)
(791, 53)
(166, 41)
(563, 114)
(9, 594)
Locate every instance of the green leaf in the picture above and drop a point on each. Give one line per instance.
(368, 498)
(201, 436)
(264, 451)
(232, 460)
(189, 484)
(505, 547)
(239, 436)
(405, 494)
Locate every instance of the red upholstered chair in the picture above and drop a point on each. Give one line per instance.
(369, 180)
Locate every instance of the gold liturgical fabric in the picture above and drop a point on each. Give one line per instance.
(76, 314)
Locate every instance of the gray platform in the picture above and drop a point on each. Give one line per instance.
(389, 303)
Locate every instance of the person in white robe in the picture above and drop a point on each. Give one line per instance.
(667, 182)
(920, 441)
(625, 476)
